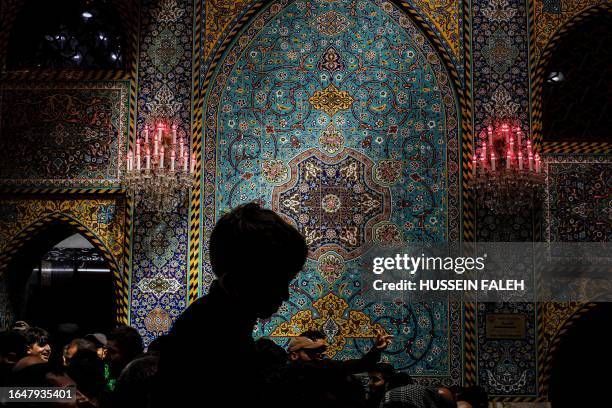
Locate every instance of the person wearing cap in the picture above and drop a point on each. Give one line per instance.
(99, 340)
(20, 325)
(304, 349)
(76, 345)
(320, 382)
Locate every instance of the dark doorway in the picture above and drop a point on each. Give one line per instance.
(60, 277)
(581, 366)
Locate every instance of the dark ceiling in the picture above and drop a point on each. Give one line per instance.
(579, 107)
(66, 34)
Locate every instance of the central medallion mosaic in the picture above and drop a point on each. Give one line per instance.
(334, 202)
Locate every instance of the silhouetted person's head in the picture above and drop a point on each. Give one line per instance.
(136, 383)
(399, 379)
(270, 352)
(12, 347)
(99, 340)
(37, 343)
(475, 395)
(255, 255)
(446, 393)
(76, 345)
(87, 371)
(380, 376)
(158, 344)
(124, 344)
(314, 334)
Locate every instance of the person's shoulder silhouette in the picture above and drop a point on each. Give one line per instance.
(210, 352)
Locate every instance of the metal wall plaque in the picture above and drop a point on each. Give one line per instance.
(505, 326)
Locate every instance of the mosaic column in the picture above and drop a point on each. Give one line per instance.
(506, 367)
(160, 249)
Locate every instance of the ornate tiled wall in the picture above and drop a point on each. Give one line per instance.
(444, 19)
(102, 220)
(310, 107)
(577, 209)
(63, 136)
(501, 87)
(80, 130)
(159, 253)
(578, 198)
(500, 60)
(314, 112)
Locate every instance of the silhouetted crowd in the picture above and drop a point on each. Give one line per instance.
(210, 358)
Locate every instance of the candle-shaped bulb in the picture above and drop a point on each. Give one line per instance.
(160, 129)
(130, 160)
(493, 161)
(161, 157)
(505, 132)
(520, 160)
(508, 158)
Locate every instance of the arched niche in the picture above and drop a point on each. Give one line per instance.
(573, 81)
(579, 354)
(356, 93)
(24, 257)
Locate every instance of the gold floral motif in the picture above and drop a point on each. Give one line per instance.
(330, 313)
(219, 15)
(444, 15)
(548, 23)
(89, 213)
(331, 100)
(332, 23)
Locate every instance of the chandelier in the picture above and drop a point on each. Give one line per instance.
(160, 169)
(507, 174)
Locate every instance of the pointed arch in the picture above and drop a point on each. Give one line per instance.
(120, 279)
(539, 68)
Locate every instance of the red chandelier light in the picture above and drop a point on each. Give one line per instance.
(502, 148)
(506, 172)
(159, 170)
